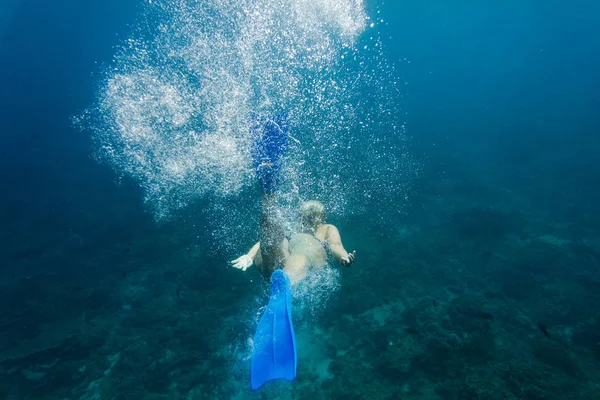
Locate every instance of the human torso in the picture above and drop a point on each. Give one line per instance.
(311, 246)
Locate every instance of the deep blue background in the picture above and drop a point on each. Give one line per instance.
(505, 93)
(51, 56)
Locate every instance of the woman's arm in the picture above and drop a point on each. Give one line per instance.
(244, 262)
(254, 251)
(336, 247)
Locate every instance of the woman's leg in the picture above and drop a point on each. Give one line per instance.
(272, 234)
(270, 144)
(296, 267)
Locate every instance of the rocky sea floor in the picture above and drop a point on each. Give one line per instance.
(472, 292)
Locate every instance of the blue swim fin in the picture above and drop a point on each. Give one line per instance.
(270, 142)
(274, 355)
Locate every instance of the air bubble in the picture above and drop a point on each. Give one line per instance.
(173, 109)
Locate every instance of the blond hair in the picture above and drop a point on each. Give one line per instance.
(312, 214)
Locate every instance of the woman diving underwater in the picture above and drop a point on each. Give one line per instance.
(285, 260)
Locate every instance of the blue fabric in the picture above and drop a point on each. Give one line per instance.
(270, 143)
(274, 354)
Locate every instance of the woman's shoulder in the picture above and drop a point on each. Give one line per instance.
(321, 231)
(324, 229)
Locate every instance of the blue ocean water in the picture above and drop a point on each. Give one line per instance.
(455, 146)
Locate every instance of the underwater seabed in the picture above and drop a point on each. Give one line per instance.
(449, 305)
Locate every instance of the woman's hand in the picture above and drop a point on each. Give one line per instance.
(347, 261)
(244, 262)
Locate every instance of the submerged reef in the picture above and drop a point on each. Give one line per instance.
(423, 314)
